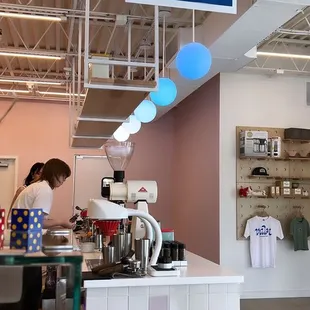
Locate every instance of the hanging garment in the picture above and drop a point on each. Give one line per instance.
(300, 231)
(263, 233)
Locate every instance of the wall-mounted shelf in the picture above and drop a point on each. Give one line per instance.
(278, 178)
(284, 168)
(295, 141)
(93, 125)
(254, 197)
(268, 177)
(273, 158)
(262, 158)
(276, 197)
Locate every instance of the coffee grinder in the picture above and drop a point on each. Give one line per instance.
(119, 191)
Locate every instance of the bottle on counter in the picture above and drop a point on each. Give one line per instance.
(174, 251)
(181, 251)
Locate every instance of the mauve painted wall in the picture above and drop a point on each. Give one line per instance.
(39, 131)
(196, 171)
(153, 160)
(180, 151)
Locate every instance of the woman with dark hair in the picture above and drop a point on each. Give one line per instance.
(33, 176)
(39, 195)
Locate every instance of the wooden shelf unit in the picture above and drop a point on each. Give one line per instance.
(106, 104)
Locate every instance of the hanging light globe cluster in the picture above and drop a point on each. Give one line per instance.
(146, 110)
(130, 127)
(193, 62)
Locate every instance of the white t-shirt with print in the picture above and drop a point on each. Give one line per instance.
(38, 195)
(263, 233)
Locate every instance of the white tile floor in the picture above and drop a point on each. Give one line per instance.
(276, 304)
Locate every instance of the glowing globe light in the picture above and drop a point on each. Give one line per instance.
(193, 61)
(133, 125)
(146, 111)
(121, 134)
(166, 94)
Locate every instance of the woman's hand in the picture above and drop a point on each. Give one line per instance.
(50, 223)
(67, 225)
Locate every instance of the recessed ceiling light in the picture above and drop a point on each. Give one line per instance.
(20, 91)
(58, 93)
(30, 82)
(33, 16)
(283, 55)
(37, 56)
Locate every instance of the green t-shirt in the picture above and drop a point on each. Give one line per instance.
(300, 231)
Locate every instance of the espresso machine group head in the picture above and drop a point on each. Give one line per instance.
(104, 210)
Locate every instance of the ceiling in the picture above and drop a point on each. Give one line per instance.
(106, 36)
(110, 24)
(292, 38)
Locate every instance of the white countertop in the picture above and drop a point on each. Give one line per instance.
(198, 271)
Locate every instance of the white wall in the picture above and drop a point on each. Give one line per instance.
(257, 100)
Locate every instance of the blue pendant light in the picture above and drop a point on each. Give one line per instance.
(121, 134)
(193, 61)
(133, 125)
(166, 94)
(146, 111)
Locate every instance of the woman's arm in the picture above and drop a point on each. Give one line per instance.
(19, 190)
(48, 223)
(44, 200)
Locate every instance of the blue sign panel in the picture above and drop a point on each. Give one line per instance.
(213, 2)
(220, 6)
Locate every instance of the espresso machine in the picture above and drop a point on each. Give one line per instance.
(104, 210)
(111, 214)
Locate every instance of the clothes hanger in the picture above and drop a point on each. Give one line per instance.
(298, 212)
(262, 212)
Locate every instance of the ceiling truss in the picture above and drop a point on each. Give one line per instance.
(60, 39)
(290, 39)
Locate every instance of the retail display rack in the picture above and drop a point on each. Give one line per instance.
(292, 166)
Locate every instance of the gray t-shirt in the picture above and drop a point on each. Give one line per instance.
(300, 231)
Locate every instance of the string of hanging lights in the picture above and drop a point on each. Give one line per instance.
(193, 62)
